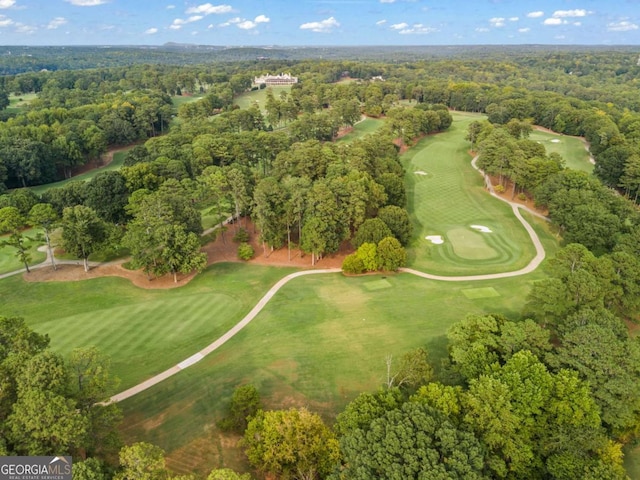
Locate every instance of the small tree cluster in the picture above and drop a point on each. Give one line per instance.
(387, 255)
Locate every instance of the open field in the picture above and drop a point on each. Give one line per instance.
(178, 100)
(247, 99)
(17, 103)
(319, 342)
(116, 164)
(362, 129)
(571, 149)
(446, 197)
(144, 331)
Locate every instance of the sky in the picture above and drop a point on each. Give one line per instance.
(319, 22)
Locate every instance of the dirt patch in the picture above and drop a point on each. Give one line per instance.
(220, 250)
(507, 194)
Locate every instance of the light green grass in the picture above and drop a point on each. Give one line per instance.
(374, 285)
(475, 293)
(143, 331)
(451, 197)
(9, 261)
(632, 461)
(571, 149)
(469, 244)
(247, 99)
(19, 103)
(362, 129)
(178, 100)
(318, 343)
(116, 164)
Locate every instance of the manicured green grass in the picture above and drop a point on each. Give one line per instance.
(8, 260)
(116, 164)
(451, 198)
(143, 331)
(249, 98)
(178, 100)
(362, 129)
(18, 103)
(319, 342)
(632, 461)
(571, 149)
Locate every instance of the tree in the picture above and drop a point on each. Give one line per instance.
(414, 441)
(371, 231)
(269, 211)
(366, 407)
(89, 469)
(180, 252)
(398, 221)
(141, 461)
(11, 221)
(83, 232)
(44, 216)
(394, 188)
(292, 443)
(245, 403)
(107, 195)
(414, 370)
(227, 474)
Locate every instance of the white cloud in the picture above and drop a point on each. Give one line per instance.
(524, 30)
(28, 29)
(570, 13)
(381, 22)
(262, 19)
(577, 24)
(497, 22)
(554, 21)
(247, 25)
(387, 1)
(56, 23)
(208, 9)
(514, 19)
(7, 3)
(194, 18)
(231, 22)
(537, 14)
(170, 7)
(151, 31)
(86, 3)
(559, 37)
(482, 29)
(5, 21)
(418, 29)
(399, 26)
(323, 26)
(623, 26)
(179, 22)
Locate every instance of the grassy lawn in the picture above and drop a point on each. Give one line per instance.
(362, 129)
(247, 99)
(178, 100)
(571, 149)
(632, 461)
(116, 164)
(446, 197)
(320, 341)
(144, 331)
(17, 103)
(8, 260)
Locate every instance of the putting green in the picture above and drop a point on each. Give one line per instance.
(449, 200)
(470, 245)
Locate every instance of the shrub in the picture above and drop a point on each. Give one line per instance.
(368, 254)
(242, 236)
(522, 196)
(391, 254)
(352, 264)
(499, 188)
(245, 251)
(245, 403)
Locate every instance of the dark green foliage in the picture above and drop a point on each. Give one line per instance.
(107, 195)
(398, 221)
(366, 407)
(371, 231)
(242, 236)
(391, 255)
(245, 403)
(394, 188)
(415, 441)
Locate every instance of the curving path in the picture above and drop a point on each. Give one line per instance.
(535, 262)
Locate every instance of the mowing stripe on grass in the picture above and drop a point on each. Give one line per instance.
(475, 293)
(376, 285)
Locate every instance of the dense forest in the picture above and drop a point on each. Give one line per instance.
(553, 394)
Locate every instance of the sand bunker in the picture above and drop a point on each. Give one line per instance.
(420, 172)
(555, 140)
(481, 228)
(435, 239)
